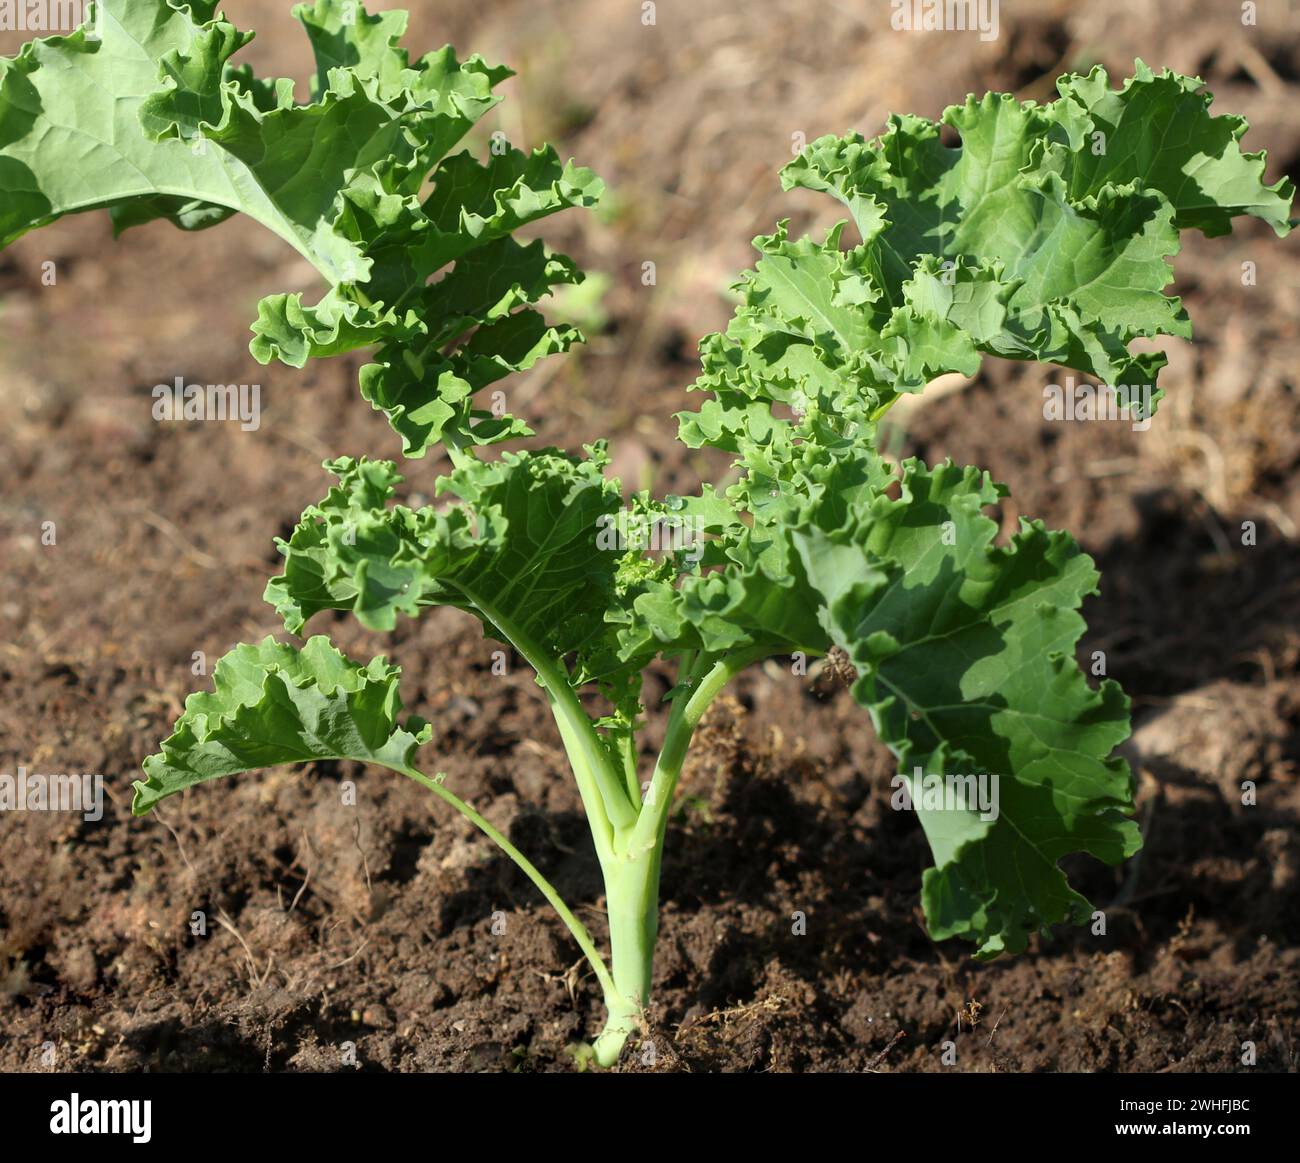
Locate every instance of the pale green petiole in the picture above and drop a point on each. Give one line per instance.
(575, 926)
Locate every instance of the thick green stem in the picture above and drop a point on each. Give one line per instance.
(627, 833)
(611, 801)
(632, 879)
(632, 904)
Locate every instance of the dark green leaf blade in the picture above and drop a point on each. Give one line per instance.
(965, 652)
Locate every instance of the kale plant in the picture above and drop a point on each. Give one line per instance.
(1045, 235)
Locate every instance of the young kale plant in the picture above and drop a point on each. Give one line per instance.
(1046, 235)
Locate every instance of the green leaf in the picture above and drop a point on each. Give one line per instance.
(143, 114)
(807, 333)
(1046, 235)
(1157, 128)
(350, 38)
(342, 554)
(747, 590)
(273, 704)
(153, 121)
(530, 548)
(965, 652)
(523, 547)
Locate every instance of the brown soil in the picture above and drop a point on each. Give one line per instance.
(392, 926)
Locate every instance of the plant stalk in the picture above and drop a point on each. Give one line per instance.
(632, 877)
(632, 905)
(603, 791)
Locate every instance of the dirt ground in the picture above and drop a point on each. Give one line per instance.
(392, 927)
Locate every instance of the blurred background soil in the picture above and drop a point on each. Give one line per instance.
(374, 925)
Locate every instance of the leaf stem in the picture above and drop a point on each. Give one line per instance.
(707, 676)
(628, 753)
(455, 446)
(575, 926)
(603, 792)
